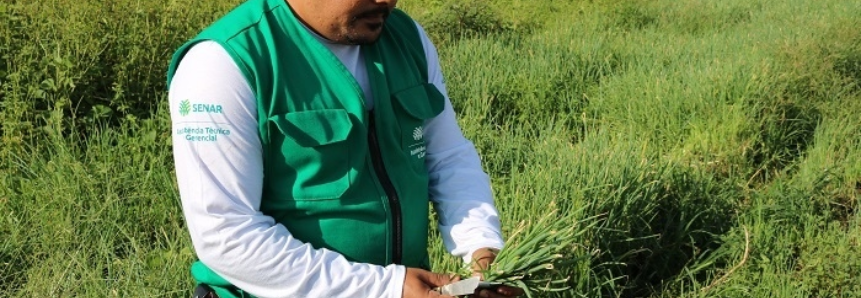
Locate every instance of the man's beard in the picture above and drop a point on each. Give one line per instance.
(354, 36)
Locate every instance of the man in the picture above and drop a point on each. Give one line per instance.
(309, 137)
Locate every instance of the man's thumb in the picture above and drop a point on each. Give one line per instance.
(438, 280)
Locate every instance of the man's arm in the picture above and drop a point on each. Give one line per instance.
(459, 187)
(219, 170)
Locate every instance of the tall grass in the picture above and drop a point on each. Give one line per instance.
(717, 142)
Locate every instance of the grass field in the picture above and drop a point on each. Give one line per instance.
(717, 142)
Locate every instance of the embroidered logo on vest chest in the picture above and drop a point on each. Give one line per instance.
(418, 149)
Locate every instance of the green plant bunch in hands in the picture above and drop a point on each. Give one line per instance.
(536, 256)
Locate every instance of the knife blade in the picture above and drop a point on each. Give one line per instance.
(488, 285)
(463, 287)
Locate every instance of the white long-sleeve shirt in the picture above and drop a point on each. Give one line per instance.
(219, 169)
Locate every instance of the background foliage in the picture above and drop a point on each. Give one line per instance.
(718, 142)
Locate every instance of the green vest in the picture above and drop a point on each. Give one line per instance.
(337, 176)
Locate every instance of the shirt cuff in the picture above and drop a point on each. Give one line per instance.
(397, 281)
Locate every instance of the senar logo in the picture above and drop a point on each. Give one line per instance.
(418, 149)
(206, 108)
(184, 107)
(418, 133)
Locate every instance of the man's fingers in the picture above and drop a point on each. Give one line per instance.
(510, 291)
(481, 260)
(435, 294)
(485, 293)
(500, 292)
(438, 280)
(479, 265)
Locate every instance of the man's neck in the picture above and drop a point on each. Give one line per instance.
(301, 11)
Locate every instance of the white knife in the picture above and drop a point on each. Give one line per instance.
(463, 287)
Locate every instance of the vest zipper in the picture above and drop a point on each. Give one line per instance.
(389, 188)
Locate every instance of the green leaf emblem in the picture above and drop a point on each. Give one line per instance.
(184, 107)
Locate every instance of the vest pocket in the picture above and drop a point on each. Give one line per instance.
(415, 105)
(313, 160)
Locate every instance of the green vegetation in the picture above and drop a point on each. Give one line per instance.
(716, 143)
(539, 253)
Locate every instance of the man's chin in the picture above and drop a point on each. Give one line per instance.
(362, 39)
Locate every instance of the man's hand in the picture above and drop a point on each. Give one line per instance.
(481, 259)
(420, 283)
